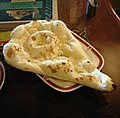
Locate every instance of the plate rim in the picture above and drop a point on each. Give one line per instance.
(3, 74)
(93, 49)
(57, 87)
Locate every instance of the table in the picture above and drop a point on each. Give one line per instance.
(103, 32)
(25, 95)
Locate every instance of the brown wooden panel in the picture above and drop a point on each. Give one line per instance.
(103, 32)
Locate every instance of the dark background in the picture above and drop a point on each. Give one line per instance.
(116, 6)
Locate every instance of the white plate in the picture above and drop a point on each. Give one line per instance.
(2, 74)
(64, 86)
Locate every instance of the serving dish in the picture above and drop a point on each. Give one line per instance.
(65, 86)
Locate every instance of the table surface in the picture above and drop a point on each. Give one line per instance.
(25, 95)
(103, 32)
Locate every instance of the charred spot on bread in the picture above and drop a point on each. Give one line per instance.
(53, 70)
(88, 61)
(28, 60)
(76, 79)
(81, 78)
(10, 52)
(63, 63)
(33, 38)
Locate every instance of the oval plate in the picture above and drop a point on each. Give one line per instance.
(2, 74)
(64, 86)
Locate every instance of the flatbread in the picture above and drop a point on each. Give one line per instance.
(49, 48)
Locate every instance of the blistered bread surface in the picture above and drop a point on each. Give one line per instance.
(49, 48)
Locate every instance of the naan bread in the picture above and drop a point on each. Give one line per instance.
(49, 48)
